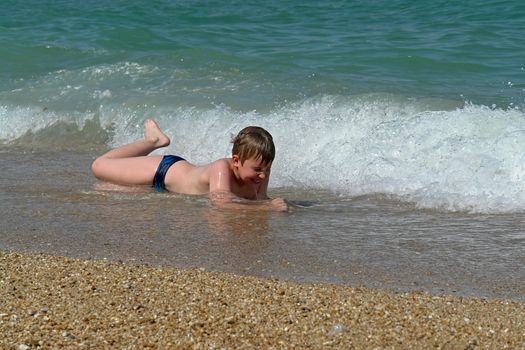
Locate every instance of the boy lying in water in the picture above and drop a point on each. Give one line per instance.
(245, 174)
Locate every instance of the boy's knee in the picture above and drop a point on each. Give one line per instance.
(96, 167)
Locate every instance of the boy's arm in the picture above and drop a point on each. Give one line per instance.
(222, 196)
(228, 200)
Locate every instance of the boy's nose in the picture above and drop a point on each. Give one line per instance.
(262, 175)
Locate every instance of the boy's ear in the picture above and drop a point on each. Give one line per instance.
(236, 160)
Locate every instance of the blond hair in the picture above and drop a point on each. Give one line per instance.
(254, 142)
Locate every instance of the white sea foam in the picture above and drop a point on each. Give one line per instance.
(468, 158)
(17, 121)
(465, 159)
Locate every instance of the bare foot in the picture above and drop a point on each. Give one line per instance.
(153, 133)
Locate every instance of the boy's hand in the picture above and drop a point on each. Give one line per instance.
(279, 204)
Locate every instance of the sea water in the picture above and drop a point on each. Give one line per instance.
(399, 128)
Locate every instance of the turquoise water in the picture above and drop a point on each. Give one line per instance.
(248, 55)
(399, 126)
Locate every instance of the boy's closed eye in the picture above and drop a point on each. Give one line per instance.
(262, 170)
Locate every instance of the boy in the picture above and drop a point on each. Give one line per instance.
(245, 174)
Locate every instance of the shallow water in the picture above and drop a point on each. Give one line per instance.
(50, 203)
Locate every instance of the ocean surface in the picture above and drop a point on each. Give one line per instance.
(399, 126)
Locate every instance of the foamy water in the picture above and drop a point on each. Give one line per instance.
(467, 158)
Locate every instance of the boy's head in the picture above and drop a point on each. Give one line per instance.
(254, 142)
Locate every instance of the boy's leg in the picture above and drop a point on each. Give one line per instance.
(126, 171)
(153, 138)
(129, 164)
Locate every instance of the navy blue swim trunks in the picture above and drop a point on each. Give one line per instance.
(160, 174)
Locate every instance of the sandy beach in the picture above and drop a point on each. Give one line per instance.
(56, 302)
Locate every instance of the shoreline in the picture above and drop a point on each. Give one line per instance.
(49, 301)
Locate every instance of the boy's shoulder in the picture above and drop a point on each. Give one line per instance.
(220, 165)
(221, 162)
(219, 174)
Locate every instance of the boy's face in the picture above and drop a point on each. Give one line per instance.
(252, 170)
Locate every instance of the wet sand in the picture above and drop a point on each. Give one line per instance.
(50, 302)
